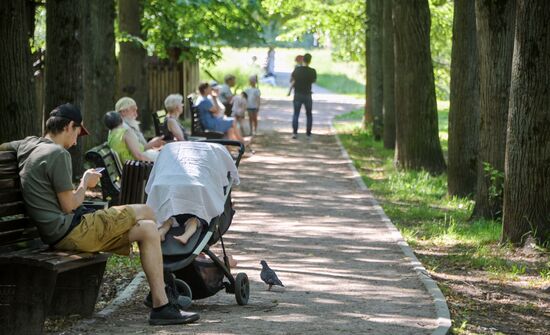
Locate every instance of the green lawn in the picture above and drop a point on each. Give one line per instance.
(339, 77)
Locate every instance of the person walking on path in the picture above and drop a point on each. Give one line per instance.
(303, 77)
(253, 104)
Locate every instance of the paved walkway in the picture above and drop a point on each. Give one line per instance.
(299, 208)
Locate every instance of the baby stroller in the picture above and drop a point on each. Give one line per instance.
(196, 276)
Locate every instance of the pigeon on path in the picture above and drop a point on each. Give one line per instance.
(269, 276)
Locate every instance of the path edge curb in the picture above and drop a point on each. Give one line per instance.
(440, 303)
(123, 297)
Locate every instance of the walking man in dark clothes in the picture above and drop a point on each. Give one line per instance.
(303, 77)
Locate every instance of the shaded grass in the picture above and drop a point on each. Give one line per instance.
(342, 84)
(418, 205)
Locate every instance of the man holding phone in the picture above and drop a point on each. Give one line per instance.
(63, 223)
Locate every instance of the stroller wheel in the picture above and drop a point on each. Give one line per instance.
(183, 288)
(242, 288)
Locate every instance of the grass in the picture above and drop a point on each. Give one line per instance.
(419, 206)
(449, 245)
(339, 77)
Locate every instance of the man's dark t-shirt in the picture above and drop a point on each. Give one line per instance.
(303, 77)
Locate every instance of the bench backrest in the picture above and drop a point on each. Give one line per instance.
(103, 156)
(134, 178)
(16, 229)
(158, 120)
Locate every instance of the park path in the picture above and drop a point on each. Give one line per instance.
(300, 208)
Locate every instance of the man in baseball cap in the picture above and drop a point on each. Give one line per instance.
(70, 112)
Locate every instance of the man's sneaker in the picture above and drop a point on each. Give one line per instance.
(170, 314)
(182, 301)
(294, 136)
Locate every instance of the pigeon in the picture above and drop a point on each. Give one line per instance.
(269, 276)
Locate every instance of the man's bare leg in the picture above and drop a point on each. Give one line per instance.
(190, 228)
(145, 232)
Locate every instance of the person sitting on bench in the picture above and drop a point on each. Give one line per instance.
(124, 142)
(56, 208)
(209, 121)
(173, 130)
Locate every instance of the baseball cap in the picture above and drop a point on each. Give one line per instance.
(71, 112)
(213, 83)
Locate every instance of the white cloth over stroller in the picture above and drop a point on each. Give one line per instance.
(190, 178)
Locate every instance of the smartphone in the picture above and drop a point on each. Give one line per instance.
(99, 169)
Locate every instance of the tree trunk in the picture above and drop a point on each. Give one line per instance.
(131, 61)
(388, 78)
(376, 85)
(17, 100)
(495, 41)
(464, 109)
(99, 68)
(527, 179)
(64, 45)
(368, 117)
(417, 138)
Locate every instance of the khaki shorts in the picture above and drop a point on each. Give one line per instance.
(103, 230)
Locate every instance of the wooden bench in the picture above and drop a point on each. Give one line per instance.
(158, 120)
(36, 281)
(196, 125)
(134, 178)
(103, 156)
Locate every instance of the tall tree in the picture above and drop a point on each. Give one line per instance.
(131, 59)
(64, 62)
(375, 12)
(388, 77)
(17, 97)
(464, 109)
(495, 40)
(99, 67)
(527, 179)
(417, 135)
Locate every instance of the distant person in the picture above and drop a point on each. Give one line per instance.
(226, 96)
(297, 62)
(173, 130)
(303, 77)
(239, 109)
(214, 98)
(253, 104)
(270, 63)
(209, 121)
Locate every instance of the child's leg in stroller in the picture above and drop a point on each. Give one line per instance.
(190, 228)
(165, 228)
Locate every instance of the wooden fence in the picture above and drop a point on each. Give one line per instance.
(164, 77)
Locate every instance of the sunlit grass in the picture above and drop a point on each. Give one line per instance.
(339, 77)
(418, 204)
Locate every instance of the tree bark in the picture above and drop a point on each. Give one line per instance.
(99, 68)
(464, 109)
(368, 117)
(388, 77)
(132, 56)
(64, 45)
(417, 138)
(17, 99)
(495, 41)
(376, 85)
(527, 177)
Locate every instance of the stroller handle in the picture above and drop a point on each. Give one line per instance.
(232, 143)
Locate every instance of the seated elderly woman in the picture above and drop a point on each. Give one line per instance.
(124, 142)
(172, 129)
(208, 112)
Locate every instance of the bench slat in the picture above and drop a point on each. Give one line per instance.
(53, 260)
(12, 208)
(18, 223)
(12, 195)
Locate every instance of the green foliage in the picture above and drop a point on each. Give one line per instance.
(340, 22)
(200, 27)
(496, 178)
(441, 43)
